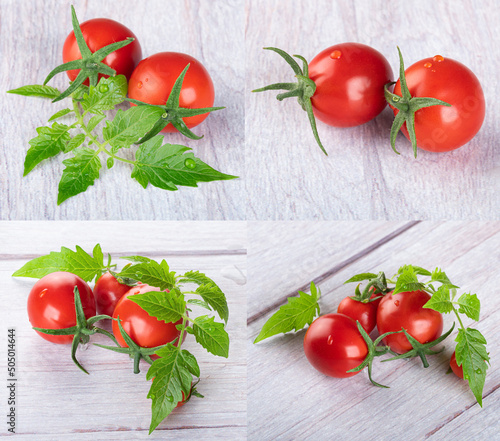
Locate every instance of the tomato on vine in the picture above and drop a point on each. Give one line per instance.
(108, 291)
(51, 304)
(363, 311)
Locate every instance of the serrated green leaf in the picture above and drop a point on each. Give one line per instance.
(75, 142)
(165, 306)
(361, 277)
(152, 273)
(407, 280)
(137, 259)
(36, 90)
(440, 301)
(77, 262)
(471, 354)
(129, 126)
(96, 119)
(292, 316)
(166, 166)
(209, 291)
(470, 306)
(441, 277)
(110, 162)
(81, 171)
(173, 374)
(106, 95)
(60, 114)
(211, 335)
(98, 255)
(200, 303)
(50, 142)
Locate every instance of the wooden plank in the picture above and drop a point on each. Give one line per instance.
(426, 403)
(291, 179)
(196, 27)
(111, 400)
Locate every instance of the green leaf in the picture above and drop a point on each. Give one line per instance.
(211, 335)
(106, 95)
(292, 316)
(199, 303)
(60, 114)
(137, 259)
(407, 280)
(77, 262)
(173, 374)
(129, 126)
(440, 300)
(75, 142)
(50, 142)
(81, 171)
(209, 292)
(165, 306)
(471, 354)
(441, 277)
(36, 90)
(166, 166)
(470, 306)
(96, 119)
(152, 273)
(361, 277)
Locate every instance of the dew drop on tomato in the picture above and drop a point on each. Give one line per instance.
(438, 58)
(428, 65)
(336, 54)
(139, 85)
(396, 302)
(329, 340)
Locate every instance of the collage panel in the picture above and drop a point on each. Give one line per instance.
(202, 267)
(298, 385)
(450, 52)
(88, 156)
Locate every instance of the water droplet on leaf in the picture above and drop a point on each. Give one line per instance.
(478, 371)
(336, 54)
(170, 398)
(190, 163)
(103, 88)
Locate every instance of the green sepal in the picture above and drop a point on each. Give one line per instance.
(303, 89)
(407, 106)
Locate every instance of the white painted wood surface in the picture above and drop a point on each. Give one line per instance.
(289, 178)
(289, 400)
(32, 34)
(58, 402)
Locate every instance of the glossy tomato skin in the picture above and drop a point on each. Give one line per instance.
(51, 304)
(405, 310)
(442, 128)
(100, 32)
(333, 345)
(457, 370)
(365, 313)
(107, 292)
(350, 79)
(154, 77)
(144, 330)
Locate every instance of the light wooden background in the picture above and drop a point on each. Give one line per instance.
(289, 400)
(56, 401)
(289, 178)
(32, 34)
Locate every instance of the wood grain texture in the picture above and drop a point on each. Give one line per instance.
(288, 399)
(57, 401)
(31, 37)
(289, 178)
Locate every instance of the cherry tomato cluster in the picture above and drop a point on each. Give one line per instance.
(51, 306)
(152, 79)
(438, 103)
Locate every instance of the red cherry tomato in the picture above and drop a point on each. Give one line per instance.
(107, 292)
(100, 32)
(333, 345)
(405, 310)
(365, 313)
(51, 304)
(457, 370)
(442, 128)
(350, 79)
(153, 79)
(143, 329)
